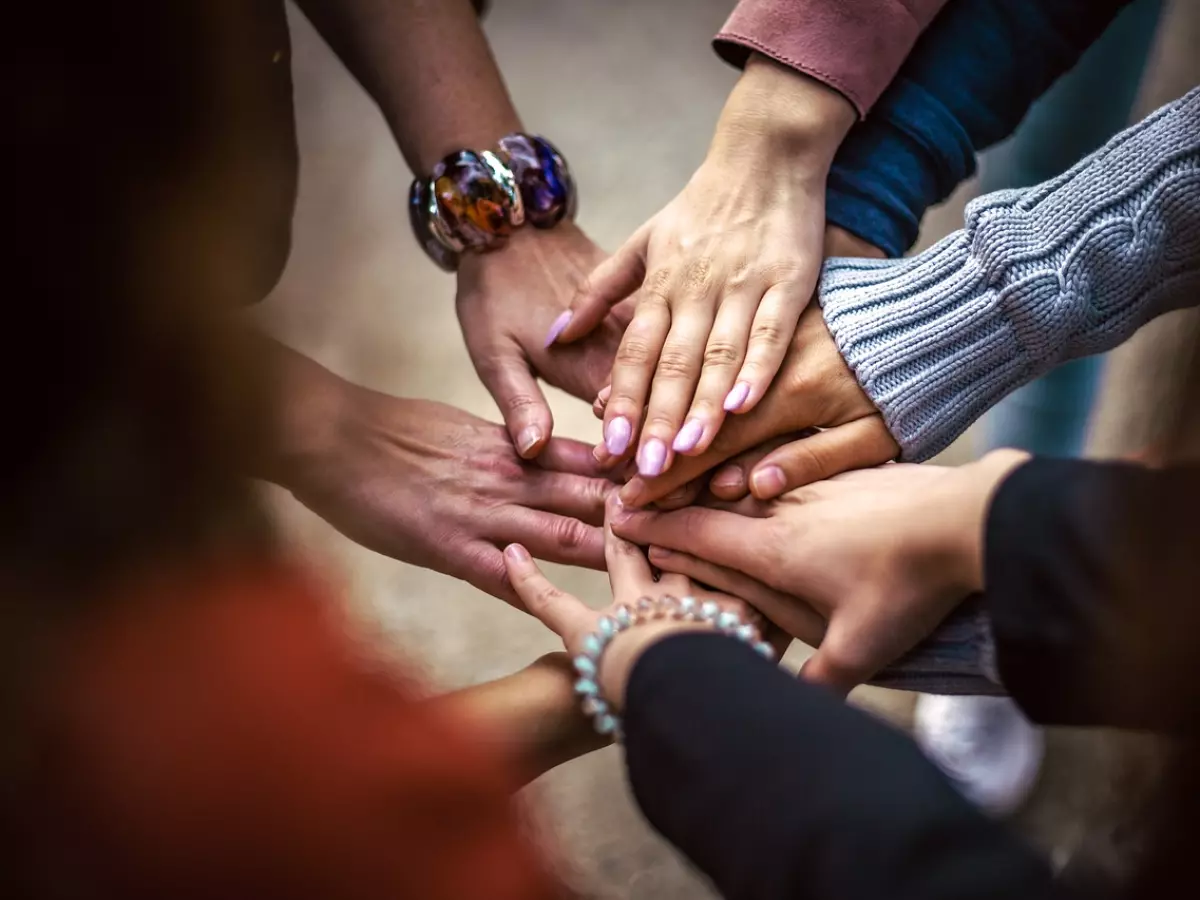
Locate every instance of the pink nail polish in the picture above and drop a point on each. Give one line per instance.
(559, 326)
(737, 396)
(652, 458)
(617, 434)
(689, 436)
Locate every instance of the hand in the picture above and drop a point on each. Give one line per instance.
(631, 578)
(432, 485)
(814, 388)
(732, 481)
(724, 270)
(882, 555)
(507, 301)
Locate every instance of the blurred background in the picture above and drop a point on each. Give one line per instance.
(630, 91)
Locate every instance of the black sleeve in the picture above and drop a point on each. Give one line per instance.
(1093, 580)
(776, 789)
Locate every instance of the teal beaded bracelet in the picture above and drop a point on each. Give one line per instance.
(686, 609)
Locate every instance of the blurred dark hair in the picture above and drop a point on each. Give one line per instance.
(131, 401)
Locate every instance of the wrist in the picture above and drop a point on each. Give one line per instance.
(309, 402)
(526, 244)
(627, 648)
(778, 115)
(982, 479)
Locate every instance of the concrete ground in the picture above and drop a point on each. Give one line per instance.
(630, 91)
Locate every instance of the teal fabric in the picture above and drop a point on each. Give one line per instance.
(1094, 101)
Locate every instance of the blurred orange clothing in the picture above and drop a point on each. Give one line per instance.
(225, 737)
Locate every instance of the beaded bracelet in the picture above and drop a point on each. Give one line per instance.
(687, 609)
(473, 200)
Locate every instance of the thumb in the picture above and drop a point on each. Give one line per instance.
(515, 389)
(610, 283)
(834, 663)
(559, 611)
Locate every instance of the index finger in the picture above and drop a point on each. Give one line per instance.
(777, 414)
(559, 611)
(725, 538)
(629, 572)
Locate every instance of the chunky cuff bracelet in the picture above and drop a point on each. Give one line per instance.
(473, 200)
(687, 609)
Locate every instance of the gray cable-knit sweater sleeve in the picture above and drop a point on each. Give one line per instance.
(1038, 276)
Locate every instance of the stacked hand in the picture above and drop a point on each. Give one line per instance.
(506, 302)
(432, 485)
(631, 578)
(882, 556)
(721, 274)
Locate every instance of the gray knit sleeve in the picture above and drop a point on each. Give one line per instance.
(1038, 276)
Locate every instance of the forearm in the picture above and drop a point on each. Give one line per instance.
(1090, 575)
(853, 46)
(306, 405)
(531, 717)
(722, 760)
(1069, 268)
(775, 113)
(428, 66)
(969, 82)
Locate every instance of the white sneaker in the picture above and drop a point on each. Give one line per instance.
(985, 745)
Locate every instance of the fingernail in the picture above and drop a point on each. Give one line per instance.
(689, 436)
(528, 439)
(730, 476)
(617, 434)
(677, 494)
(652, 458)
(559, 326)
(659, 552)
(768, 482)
(735, 398)
(600, 454)
(602, 397)
(517, 553)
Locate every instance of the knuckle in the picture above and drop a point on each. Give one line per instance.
(739, 275)
(520, 401)
(722, 354)
(699, 275)
(571, 534)
(782, 272)
(768, 330)
(803, 463)
(675, 363)
(656, 289)
(660, 424)
(545, 595)
(635, 350)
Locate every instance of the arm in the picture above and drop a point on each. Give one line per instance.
(968, 83)
(531, 718)
(428, 66)
(854, 46)
(772, 787)
(1068, 268)
(723, 761)
(1090, 570)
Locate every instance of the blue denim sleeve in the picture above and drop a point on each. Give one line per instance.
(967, 84)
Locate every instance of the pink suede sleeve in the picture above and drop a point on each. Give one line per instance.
(854, 46)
